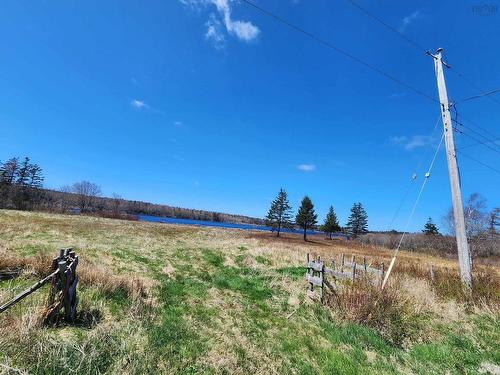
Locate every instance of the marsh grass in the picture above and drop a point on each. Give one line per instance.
(158, 298)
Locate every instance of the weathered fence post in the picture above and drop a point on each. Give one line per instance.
(353, 264)
(431, 272)
(364, 264)
(322, 277)
(342, 262)
(382, 272)
(310, 272)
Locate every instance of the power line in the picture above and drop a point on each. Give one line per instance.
(479, 162)
(487, 139)
(476, 143)
(485, 144)
(454, 107)
(420, 48)
(392, 28)
(413, 178)
(472, 84)
(426, 178)
(339, 50)
(480, 95)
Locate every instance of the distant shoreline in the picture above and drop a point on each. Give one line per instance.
(220, 224)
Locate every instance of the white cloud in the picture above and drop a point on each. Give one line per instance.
(409, 19)
(243, 30)
(214, 33)
(306, 167)
(142, 105)
(178, 124)
(139, 104)
(415, 141)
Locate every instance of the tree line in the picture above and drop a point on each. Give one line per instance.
(21, 187)
(280, 216)
(20, 184)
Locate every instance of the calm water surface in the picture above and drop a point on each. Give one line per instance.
(206, 223)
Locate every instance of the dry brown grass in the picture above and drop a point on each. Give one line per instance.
(126, 258)
(393, 314)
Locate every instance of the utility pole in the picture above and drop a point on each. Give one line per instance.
(464, 258)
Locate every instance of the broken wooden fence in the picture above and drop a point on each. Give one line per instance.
(62, 293)
(317, 273)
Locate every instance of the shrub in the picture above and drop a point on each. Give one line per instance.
(394, 317)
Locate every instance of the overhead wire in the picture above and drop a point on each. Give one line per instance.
(415, 204)
(420, 48)
(339, 50)
(479, 162)
(480, 95)
(495, 141)
(478, 141)
(413, 178)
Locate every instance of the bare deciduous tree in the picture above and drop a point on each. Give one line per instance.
(475, 214)
(116, 203)
(86, 193)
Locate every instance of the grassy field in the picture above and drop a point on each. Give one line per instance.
(158, 298)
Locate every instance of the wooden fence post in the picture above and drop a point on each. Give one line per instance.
(431, 272)
(382, 273)
(342, 262)
(310, 286)
(364, 264)
(65, 276)
(353, 275)
(322, 277)
(53, 282)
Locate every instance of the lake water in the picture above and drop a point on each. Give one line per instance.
(205, 223)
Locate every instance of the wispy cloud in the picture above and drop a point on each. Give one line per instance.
(215, 34)
(178, 124)
(142, 105)
(413, 142)
(409, 19)
(242, 30)
(138, 104)
(306, 167)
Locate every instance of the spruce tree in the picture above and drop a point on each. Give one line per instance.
(331, 223)
(280, 213)
(306, 217)
(430, 228)
(358, 221)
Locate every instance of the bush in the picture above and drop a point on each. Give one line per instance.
(394, 317)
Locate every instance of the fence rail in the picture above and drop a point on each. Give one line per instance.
(316, 272)
(62, 293)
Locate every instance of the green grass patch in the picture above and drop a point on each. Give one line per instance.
(295, 273)
(263, 260)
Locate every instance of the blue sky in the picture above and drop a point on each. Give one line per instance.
(212, 105)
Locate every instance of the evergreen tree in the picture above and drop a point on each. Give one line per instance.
(331, 223)
(23, 172)
(280, 213)
(358, 220)
(306, 217)
(430, 228)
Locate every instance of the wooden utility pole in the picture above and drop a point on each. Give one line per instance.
(464, 258)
